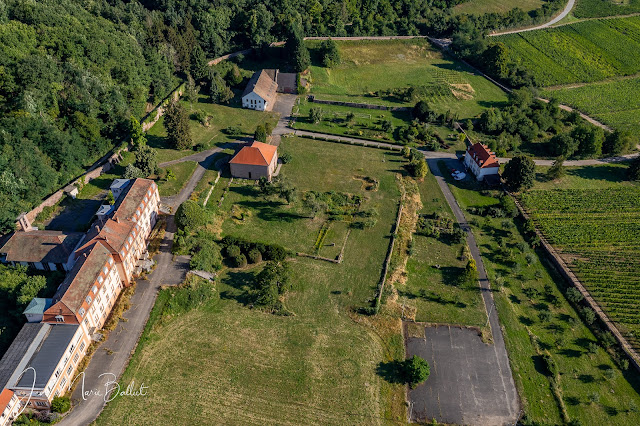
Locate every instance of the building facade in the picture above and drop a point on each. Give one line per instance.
(260, 93)
(481, 161)
(255, 161)
(42, 361)
(9, 407)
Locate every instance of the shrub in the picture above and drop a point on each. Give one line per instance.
(190, 215)
(239, 261)
(550, 364)
(61, 404)
(233, 131)
(232, 251)
(200, 146)
(254, 256)
(286, 158)
(574, 295)
(589, 315)
(207, 258)
(274, 252)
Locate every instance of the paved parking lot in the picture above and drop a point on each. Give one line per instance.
(469, 383)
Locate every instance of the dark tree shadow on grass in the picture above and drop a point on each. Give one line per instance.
(570, 353)
(538, 363)
(525, 320)
(586, 378)
(583, 343)
(392, 371)
(241, 283)
(572, 400)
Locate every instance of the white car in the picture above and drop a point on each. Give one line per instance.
(459, 176)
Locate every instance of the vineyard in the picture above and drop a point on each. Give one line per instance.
(599, 8)
(598, 234)
(583, 52)
(616, 103)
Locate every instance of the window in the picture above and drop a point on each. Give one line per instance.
(100, 280)
(86, 322)
(57, 374)
(122, 253)
(105, 270)
(82, 346)
(69, 370)
(88, 299)
(59, 318)
(64, 380)
(75, 358)
(110, 261)
(81, 312)
(41, 404)
(94, 290)
(95, 316)
(130, 239)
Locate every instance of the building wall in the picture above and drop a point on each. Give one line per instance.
(477, 171)
(253, 101)
(247, 171)
(10, 411)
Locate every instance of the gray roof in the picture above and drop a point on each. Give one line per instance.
(38, 305)
(287, 80)
(48, 355)
(17, 350)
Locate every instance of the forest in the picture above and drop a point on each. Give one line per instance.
(74, 73)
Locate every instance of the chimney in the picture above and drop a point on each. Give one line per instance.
(24, 223)
(84, 254)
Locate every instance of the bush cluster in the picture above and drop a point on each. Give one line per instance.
(239, 251)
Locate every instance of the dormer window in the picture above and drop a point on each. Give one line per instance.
(130, 239)
(110, 261)
(105, 269)
(88, 300)
(59, 318)
(100, 279)
(81, 312)
(94, 289)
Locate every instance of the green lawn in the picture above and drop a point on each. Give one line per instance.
(480, 7)
(246, 366)
(589, 177)
(223, 117)
(523, 292)
(183, 172)
(431, 289)
(371, 66)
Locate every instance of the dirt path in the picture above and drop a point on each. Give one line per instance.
(555, 20)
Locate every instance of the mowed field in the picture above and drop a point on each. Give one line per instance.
(537, 320)
(582, 52)
(479, 7)
(230, 364)
(596, 231)
(615, 103)
(370, 69)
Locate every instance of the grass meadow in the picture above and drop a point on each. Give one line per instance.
(373, 66)
(538, 320)
(241, 365)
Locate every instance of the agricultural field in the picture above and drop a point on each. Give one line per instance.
(615, 103)
(582, 52)
(382, 73)
(318, 366)
(600, 8)
(479, 7)
(596, 231)
(537, 320)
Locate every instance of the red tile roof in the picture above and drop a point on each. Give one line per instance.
(76, 286)
(483, 156)
(5, 398)
(256, 154)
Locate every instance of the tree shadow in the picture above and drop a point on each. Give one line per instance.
(75, 216)
(611, 411)
(391, 372)
(241, 284)
(571, 353)
(539, 365)
(514, 299)
(586, 378)
(525, 320)
(572, 400)
(582, 342)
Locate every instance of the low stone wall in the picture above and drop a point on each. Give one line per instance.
(358, 105)
(229, 56)
(570, 277)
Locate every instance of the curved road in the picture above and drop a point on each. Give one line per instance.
(555, 20)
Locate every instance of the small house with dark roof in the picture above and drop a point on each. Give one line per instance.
(42, 250)
(255, 161)
(35, 310)
(260, 93)
(481, 161)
